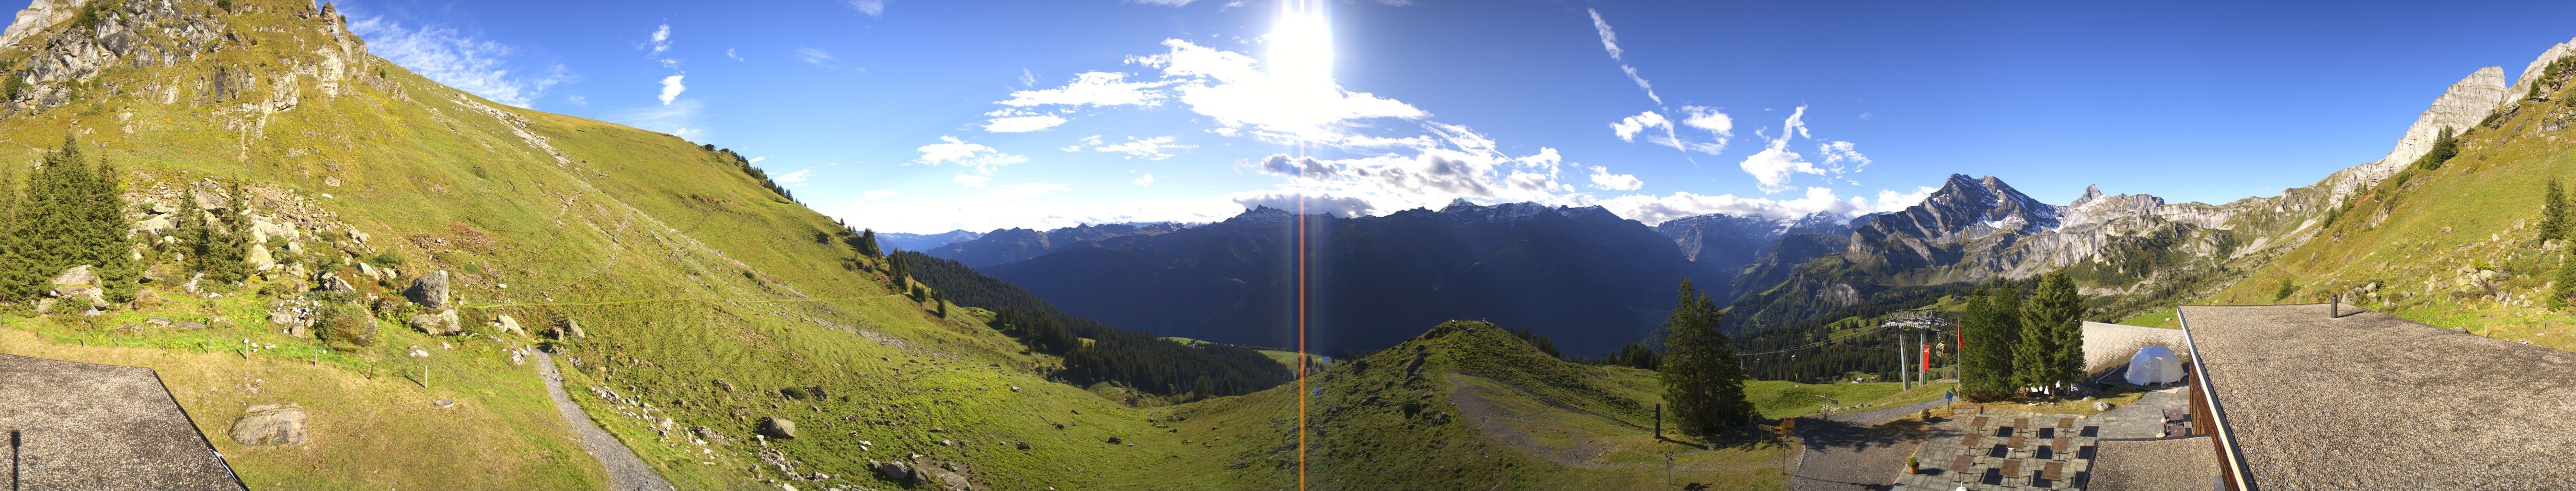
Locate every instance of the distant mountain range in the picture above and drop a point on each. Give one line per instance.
(1579, 274)
(923, 242)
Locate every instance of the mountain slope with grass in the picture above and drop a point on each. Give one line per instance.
(407, 245)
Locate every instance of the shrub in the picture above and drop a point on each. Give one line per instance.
(797, 393)
(347, 323)
(388, 258)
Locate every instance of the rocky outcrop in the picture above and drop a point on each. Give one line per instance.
(79, 283)
(270, 424)
(2458, 108)
(778, 428)
(508, 325)
(2531, 73)
(429, 290)
(38, 16)
(443, 322)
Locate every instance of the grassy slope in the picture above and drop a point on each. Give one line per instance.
(2476, 211)
(682, 270)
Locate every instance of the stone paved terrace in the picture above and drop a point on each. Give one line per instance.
(2372, 401)
(2005, 450)
(84, 426)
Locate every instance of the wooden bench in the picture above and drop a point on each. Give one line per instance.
(2016, 443)
(2012, 469)
(1971, 440)
(2053, 471)
(1979, 424)
(1959, 466)
(2060, 445)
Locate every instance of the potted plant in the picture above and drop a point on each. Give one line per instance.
(1911, 467)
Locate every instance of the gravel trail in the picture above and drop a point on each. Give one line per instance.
(626, 472)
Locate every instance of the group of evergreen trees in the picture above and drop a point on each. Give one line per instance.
(1703, 381)
(2554, 225)
(69, 213)
(2015, 344)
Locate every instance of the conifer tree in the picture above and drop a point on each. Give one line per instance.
(1703, 380)
(2444, 147)
(868, 243)
(2052, 351)
(19, 278)
(227, 251)
(118, 270)
(2566, 284)
(940, 301)
(1993, 327)
(2553, 213)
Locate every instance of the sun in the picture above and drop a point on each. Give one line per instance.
(1301, 44)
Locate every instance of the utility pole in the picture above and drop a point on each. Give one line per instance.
(1901, 366)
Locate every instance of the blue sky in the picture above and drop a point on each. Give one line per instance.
(924, 116)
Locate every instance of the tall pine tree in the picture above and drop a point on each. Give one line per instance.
(1703, 380)
(118, 269)
(2053, 319)
(19, 277)
(2553, 213)
(2565, 286)
(68, 214)
(1993, 326)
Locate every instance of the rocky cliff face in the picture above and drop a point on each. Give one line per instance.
(2459, 108)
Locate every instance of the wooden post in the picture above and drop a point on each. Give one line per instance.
(1659, 421)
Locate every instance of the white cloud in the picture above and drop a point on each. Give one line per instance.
(466, 62)
(1610, 43)
(1464, 165)
(874, 8)
(1238, 92)
(1167, 3)
(1628, 127)
(1148, 149)
(1772, 167)
(662, 39)
(1652, 209)
(1709, 118)
(1145, 180)
(1022, 124)
(1609, 40)
(877, 194)
(1028, 79)
(970, 180)
(678, 118)
(756, 160)
(1841, 158)
(1077, 145)
(984, 160)
(1091, 89)
(816, 57)
(729, 54)
(1017, 191)
(793, 178)
(1603, 179)
(671, 89)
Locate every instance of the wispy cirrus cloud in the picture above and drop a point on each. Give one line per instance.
(467, 62)
(873, 8)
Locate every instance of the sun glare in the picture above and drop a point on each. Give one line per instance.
(1301, 43)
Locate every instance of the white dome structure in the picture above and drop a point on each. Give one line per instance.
(2154, 365)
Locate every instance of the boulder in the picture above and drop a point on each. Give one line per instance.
(443, 322)
(330, 281)
(370, 272)
(262, 229)
(950, 481)
(430, 290)
(896, 471)
(777, 427)
(155, 227)
(509, 325)
(270, 424)
(2101, 406)
(81, 275)
(259, 258)
(573, 328)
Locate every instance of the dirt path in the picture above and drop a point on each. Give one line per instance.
(626, 472)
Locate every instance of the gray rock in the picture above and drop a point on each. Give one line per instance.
(155, 226)
(2101, 406)
(370, 272)
(777, 427)
(509, 325)
(259, 258)
(443, 322)
(896, 471)
(270, 424)
(950, 481)
(430, 290)
(330, 281)
(574, 327)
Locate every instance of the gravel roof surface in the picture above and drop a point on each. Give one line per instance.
(85, 426)
(2181, 464)
(2372, 401)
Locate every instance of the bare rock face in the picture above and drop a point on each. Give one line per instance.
(330, 281)
(429, 290)
(270, 424)
(777, 427)
(509, 325)
(38, 16)
(79, 282)
(2459, 108)
(443, 322)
